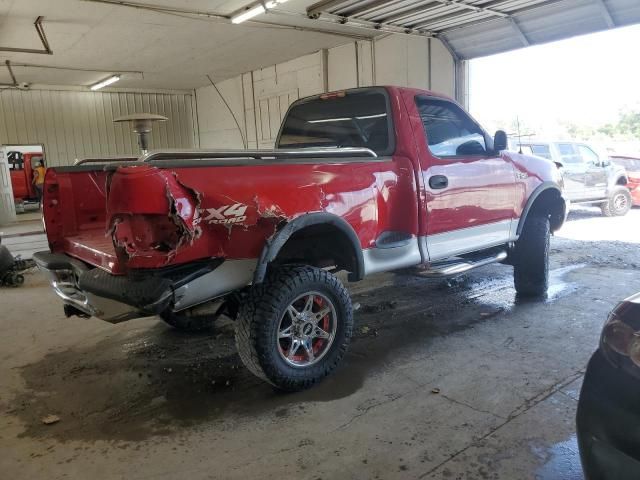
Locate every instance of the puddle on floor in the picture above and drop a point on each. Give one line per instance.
(558, 287)
(501, 294)
(563, 463)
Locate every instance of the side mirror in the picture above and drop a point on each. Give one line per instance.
(500, 141)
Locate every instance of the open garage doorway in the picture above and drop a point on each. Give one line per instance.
(574, 102)
(23, 233)
(24, 161)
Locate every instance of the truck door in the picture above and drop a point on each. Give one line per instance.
(470, 191)
(574, 172)
(596, 173)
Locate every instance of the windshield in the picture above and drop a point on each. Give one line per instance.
(344, 119)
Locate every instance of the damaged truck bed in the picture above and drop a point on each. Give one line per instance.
(362, 181)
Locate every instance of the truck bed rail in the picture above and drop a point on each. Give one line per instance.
(275, 154)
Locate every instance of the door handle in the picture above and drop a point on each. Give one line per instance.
(438, 181)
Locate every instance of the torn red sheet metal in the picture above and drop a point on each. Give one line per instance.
(159, 221)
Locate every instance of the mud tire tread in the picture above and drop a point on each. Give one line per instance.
(261, 311)
(531, 258)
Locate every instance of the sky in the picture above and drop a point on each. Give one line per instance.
(585, 80)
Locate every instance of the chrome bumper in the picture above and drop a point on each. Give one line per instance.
(64, 275)
(116, 298)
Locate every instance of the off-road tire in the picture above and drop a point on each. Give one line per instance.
(619, 203)
(531, 258)
(186, 323)
(261, 312)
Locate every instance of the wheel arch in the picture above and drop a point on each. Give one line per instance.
(318, 229)
(621, 181)
(546, 198)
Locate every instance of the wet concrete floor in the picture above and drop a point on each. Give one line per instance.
(444, 380)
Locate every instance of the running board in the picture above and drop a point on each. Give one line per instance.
(450, 268)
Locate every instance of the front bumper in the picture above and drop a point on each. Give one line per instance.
(116, 298)
(608, 422)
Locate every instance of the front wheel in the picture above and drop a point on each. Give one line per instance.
(294, 328)
(531, 258)
(619, 203)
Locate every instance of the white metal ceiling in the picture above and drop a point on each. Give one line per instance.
(474, 28)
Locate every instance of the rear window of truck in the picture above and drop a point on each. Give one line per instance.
(344, 119)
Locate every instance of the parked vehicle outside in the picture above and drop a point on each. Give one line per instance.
(21, 168)
(364, 181)
(589, 176)
(632, 166)
(609, 406)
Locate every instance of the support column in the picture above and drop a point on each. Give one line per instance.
(7, 205)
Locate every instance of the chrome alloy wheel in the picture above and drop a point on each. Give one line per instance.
(620, 202)
(307, 329)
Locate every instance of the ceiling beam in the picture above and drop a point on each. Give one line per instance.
(518, 31)
(354, 22)
(413, 12)
(452, 51)
(606, 14)
(324, 6)
(321, 7)
(226, 19)
(451, 18)
(475, 8)
(511, 14)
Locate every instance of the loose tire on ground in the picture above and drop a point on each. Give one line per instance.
(294, 304)
(619, 203)
(531, 258)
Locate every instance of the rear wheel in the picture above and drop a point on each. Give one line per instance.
(294, 328)
(531, 258)
(619, 203)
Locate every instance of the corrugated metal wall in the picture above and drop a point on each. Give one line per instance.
(75, 124)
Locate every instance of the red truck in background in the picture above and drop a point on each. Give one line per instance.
(632, 166)
(21, 167)
(364, 181)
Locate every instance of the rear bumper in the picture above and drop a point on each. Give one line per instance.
(607, 422)
(116, 298)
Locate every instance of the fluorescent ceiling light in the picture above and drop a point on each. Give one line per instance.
(254, 11)
(247, 14)
(105, 82)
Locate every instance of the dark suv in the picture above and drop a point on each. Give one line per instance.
(589, 177)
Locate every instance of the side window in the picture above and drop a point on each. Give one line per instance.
(569, 154)
(541, 151)
(588, 155)
(450, 131)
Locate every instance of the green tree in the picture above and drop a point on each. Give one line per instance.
(628, 125)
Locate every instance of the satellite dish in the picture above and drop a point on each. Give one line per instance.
(142, 123)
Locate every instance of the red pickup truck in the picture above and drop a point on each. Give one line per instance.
(363, 181)
(21, 167)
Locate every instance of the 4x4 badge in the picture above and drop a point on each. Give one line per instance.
(226, 214)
